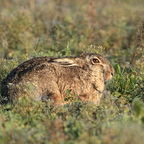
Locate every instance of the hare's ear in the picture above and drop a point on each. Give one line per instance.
(67, 62)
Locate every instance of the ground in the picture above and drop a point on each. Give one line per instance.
(59, 28)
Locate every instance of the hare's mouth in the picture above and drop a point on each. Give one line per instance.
(108, 76)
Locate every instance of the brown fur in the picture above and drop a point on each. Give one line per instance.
(49, 78)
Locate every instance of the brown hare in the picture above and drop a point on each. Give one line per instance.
(46, 78)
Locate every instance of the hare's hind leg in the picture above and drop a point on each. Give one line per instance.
(53, 94)
(56, 98)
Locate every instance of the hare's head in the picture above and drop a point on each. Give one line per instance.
(93, 60)
(88, 61)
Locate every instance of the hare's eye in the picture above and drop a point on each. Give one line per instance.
(96, 61)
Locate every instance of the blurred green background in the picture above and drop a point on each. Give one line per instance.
(64, 27)
(114, 28)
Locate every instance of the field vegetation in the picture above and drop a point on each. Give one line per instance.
(114, 28)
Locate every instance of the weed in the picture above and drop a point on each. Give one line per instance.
(61, 28)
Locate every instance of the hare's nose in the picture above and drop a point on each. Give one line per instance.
(112, 74)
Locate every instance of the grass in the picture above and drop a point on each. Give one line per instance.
(61, 28)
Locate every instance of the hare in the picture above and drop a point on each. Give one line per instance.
(46, 78)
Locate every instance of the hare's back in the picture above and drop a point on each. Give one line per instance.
(26, 68)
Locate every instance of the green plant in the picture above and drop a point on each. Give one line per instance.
(61, 28)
